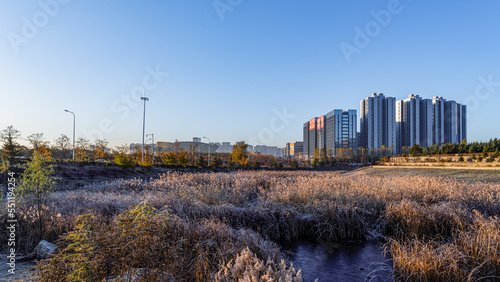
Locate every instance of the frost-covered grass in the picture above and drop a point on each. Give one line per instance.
(436, 228)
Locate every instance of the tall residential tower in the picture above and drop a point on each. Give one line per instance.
(378, 122)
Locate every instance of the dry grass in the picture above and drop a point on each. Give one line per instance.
(471, 255)
(470, 175)
(429, 222)
(154, 246)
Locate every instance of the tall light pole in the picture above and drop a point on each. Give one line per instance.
(73, 132)
(153, 142)
(143, 126)
(208, 149)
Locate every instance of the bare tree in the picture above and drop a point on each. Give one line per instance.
(37, 140)
(123, 149)
(100, 148)
(63, 143)
(82, 146)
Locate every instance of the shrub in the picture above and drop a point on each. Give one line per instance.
(145, 244)
(124, 160)
(35, 185)
(200, 162)
(256, 165)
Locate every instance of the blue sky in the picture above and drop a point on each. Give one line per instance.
(233, 72)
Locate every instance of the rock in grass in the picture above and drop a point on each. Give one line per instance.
(42, 251)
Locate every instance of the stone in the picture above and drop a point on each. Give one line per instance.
(43, 250)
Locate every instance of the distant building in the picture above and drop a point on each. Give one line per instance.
(287, 151)
(335, 130)
(225, 147)
(134, 147)
(293, 149)
(438, 118)
(197, 139)
(341, 130)
(186, 146)
(268, 150)
(260, 149)
(427, 122)
(305, 149)
(455, 125)
(378, 122)
(272, 151)
(250, 149)
(313, 137)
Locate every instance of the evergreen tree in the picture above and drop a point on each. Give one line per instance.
(10, 147)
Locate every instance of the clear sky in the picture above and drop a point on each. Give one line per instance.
(228, 69)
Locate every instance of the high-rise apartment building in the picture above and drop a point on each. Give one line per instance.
(337, 129)
(305, 151)
(455, 128)
(387, 122)
(320, 133)
(438, 120)
(378, 122)
(313, 137)
(411, 120)
(426, 122)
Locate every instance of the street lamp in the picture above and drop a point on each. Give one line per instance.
(153, 142)
(73, 132)
(208, 149)
(143, 125)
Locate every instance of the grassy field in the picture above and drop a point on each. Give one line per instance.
(228, 226)
(460, 174)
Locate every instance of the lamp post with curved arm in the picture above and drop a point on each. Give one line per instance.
(143, 125)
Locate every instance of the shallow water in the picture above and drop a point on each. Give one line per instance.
(341, 262)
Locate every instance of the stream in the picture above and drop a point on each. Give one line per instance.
(341, 262)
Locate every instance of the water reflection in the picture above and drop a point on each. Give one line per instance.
(341, 262)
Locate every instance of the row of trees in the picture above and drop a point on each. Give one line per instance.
(62, 148)
(484, 148)
(323, 157)
(177, 156)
